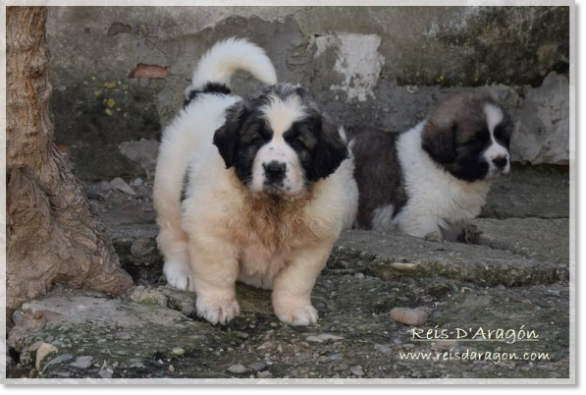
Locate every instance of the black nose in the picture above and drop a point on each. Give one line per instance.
(275, 171)
(500, 161)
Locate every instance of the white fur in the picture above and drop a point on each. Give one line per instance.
(382, 217)
(208, 243)
(437, 200)
(226, 57)
(494, 116)
(186, 131)
(346, 171)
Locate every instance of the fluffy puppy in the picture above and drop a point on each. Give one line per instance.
(270, 186)
(435, 176)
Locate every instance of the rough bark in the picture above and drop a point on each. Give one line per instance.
(53, 233)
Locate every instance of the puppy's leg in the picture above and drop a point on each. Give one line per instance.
(292, 286)
(173, 243)
(169, 177)
(215, 266)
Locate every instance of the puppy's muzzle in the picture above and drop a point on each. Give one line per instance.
(274, 172)
(500, 164)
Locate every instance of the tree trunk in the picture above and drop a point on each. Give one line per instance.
(53, 233)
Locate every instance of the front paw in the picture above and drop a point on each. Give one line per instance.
(295, 313)
(179, 276)
(217, 309)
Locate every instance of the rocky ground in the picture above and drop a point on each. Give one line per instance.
(513, 274)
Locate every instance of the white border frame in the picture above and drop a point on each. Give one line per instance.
(218, 3)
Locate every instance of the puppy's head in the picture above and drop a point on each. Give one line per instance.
(468, 134)
(280, 142)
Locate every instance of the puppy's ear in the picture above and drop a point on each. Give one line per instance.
(329, 151)
(440, 142)
(227, 137)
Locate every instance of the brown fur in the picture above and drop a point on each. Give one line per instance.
(274, 219)
(462, 109)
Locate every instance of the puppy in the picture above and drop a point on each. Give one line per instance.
(434, 177)
(270, 186)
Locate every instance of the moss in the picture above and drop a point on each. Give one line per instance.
(81, 122)
(503, 45)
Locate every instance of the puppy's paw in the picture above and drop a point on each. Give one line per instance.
(179, 276)
(217, 309)
(296, 314)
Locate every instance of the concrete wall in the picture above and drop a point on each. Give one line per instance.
(119, 72)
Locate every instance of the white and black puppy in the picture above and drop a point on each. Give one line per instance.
(269, 189)
(434, 177)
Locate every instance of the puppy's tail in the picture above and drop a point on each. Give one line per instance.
(225, 58)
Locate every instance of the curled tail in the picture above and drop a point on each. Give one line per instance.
(226, 57)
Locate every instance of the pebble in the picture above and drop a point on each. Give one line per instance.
(58, 360)
(145, 295)
(44, 350)
(237, 368)
(123, 335)
(403, 267)
(137, 182)
(178, 351)
(257, 366)
(121, 185)
(263, 375)
(142, 248)
(136, 363)
(323, 338)
(434, 237)
(106, 373)
(359, 275)
(444, 345)
(357, 370)
(17, 316)
(105, 186)
(412, 317)
(383, 349)
(82, 362)
(242, 335)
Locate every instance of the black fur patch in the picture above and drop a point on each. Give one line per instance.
(211, 87)
(185, 185)
(378, 174)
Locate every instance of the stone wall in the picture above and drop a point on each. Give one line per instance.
(119, 72)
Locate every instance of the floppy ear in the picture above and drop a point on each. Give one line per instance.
(329, 151)
(440, 142)
(226, 137)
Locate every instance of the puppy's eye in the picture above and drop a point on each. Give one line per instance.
(502, 133)
(476, 143)
(298, 143)
(258, 139)
(291, 136)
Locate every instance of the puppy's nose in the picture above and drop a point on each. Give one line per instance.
(500, 161)
(275, 171)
